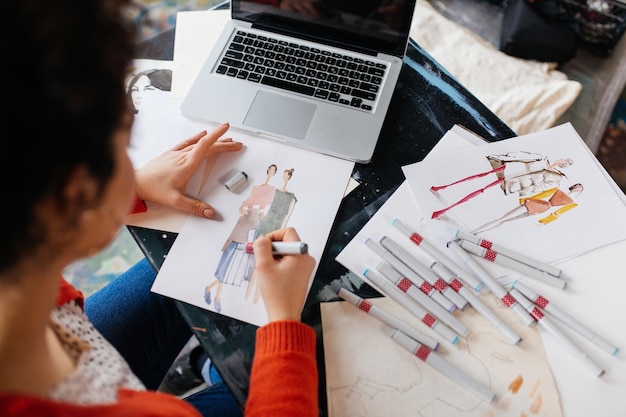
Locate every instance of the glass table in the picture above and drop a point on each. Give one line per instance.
(427, 102)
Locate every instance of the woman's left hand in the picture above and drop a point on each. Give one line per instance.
(164, 179)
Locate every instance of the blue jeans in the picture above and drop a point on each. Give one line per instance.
(149, 332)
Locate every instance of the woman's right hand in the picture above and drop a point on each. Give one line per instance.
(283, 280)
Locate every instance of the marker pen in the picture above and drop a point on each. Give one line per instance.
(391, 291)
(443, 366)
(417, 280)
(566, 319)
(283, 248)
(438, 255)
(510, 253)
(422, 270)
(493, 285)
(512, 264)
(547, 324)
(409, 289)
(384, 316)
(475, 302)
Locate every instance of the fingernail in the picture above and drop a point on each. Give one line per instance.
(224, 124)
(209, 213)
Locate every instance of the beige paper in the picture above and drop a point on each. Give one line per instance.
(368, 374)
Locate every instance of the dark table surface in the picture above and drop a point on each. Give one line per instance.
(427, 102)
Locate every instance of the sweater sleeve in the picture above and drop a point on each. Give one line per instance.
(283, 381)
(139, 206)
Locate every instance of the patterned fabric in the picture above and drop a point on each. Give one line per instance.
(100, 369)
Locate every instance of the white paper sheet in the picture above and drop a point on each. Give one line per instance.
(318, 184)
(594, 297)
(196, 33)
(596, 221)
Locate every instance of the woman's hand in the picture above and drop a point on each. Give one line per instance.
(164, 179)
(283, 280)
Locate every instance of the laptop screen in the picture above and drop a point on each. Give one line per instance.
(369, 26)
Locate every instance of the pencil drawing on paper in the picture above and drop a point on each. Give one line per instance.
(157, 124)
(535, 180)
(386, 380)
(267, 208)
(143, 83)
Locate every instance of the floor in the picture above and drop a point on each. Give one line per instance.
(612, 150)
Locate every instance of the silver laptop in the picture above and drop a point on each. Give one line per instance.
(317, 74)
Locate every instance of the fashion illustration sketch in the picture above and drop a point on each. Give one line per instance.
(266, 208)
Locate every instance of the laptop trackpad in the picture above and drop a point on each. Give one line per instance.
(281, 115)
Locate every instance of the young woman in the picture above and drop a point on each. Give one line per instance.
(68, 184)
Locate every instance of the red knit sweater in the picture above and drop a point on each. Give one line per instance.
(283, 381)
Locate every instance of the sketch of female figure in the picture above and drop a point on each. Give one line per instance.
(142, 84)
(523, 173)
(538, 204)
(282, 205)
(235, 265)
(153, 127)
(276, 217)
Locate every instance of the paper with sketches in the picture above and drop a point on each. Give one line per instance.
(158, 126)
(158, 123)
(586, 299)
(568, 210)
(207, 266)
(487, 345)
(368, 374)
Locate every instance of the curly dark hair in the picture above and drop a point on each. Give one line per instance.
(63, 96)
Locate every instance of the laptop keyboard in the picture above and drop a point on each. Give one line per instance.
(314, 72)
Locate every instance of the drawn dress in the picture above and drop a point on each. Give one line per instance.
(275, 218)
(235, 265)
(278, 213)
(527, 174)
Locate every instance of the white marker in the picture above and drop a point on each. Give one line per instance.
(493, 285)
(390, 290)
(542, 266)
(384, 316)
(284, 248)
(566, 319)
(528, 271)
(475, 302)
(417, 280)
(547, 324)
(422, 270)
(443, 366)
(438, 255)
(409, 289)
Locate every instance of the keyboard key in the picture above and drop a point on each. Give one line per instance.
(323, 94)
(286, 85)
(233, 54)
(232, 63)
(363, 94)
(356, 102)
